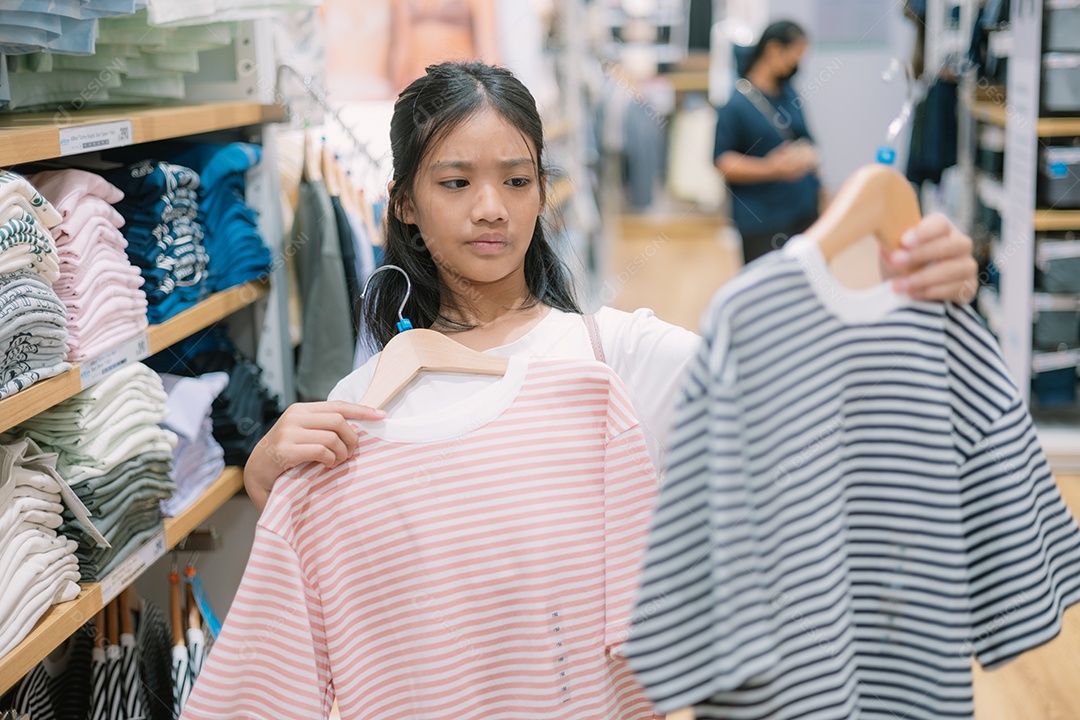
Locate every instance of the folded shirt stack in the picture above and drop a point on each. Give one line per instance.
(33, 321)
(233, 241)
(117, 459)
(165, 238)
(58, 26)
(197, 12)
(131, 63)
(245, 410)
(98, 285)
(198, 459)
(38, 566)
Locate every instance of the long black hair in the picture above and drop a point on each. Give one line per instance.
(425, 112)
(784, 32)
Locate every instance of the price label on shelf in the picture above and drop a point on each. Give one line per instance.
(127, 352)
(129, 570)
(99, 136)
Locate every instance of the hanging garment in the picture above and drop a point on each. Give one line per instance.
(349, 261)
(855, 504)
(154, 641)
(933, 134)
(327, 348)
(475, 561)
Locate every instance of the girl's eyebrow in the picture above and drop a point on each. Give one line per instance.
(466, 165)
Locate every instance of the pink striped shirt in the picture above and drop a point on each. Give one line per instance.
(479, 561)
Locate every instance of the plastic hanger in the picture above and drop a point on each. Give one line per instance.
(875, 200)
(886, 154)
(413, 350)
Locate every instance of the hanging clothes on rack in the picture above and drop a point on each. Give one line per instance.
(855, 505)
(453, 517)
(328, 342)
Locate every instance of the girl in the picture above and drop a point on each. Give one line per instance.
(464, 223)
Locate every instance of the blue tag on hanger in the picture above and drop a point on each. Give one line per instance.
(886, 155)
(1059, 169)
(404, 324)
(203, 601)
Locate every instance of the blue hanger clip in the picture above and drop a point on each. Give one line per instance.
(404, 324)
(886, 155)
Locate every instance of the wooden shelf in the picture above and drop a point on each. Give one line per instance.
(1058, 126)
(995, 113)
(43, 395)
(212, 310)
(1048, 220)
(228, 484)
(36, 136)
(64, 619)
(989, 112)
(688, 80)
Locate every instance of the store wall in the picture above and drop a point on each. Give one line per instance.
(847, 104)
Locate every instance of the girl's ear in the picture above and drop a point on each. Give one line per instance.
(404, 208)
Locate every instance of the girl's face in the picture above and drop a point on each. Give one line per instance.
(476, 200)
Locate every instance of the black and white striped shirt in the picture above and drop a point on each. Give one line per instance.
(855, 504)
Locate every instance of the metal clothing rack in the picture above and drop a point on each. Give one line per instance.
(320, 98)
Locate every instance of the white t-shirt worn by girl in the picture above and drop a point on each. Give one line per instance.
(648, 354)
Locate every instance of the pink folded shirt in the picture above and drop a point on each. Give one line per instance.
(65, 189)
(89, 209)
(81, 279)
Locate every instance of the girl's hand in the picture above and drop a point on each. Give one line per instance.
(934, 262)
(305, 432)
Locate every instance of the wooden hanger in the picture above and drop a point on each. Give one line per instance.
(330, 173)
(348, 191)
(176, 614)
(367, 213)
(411, 351)
(312, 156)
(875, 200)
(125, 612)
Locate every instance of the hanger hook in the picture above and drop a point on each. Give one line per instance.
(403, 322)
(887, 153)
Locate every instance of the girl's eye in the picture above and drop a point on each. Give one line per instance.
(519, 182)
(454, 184)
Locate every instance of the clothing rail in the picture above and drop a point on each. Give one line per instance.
(320, 99)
